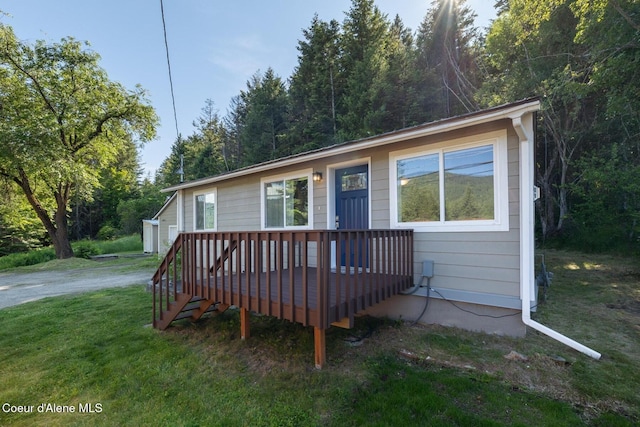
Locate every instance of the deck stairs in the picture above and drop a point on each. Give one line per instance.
(178, 303)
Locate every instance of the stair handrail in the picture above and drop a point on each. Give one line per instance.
(156, 280)
(226, 253)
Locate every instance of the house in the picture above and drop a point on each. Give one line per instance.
(439, 214)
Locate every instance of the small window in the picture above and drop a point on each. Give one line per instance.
(205, 211)
(286, 202)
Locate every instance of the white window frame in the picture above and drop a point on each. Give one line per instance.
(306, 173)
(213, 191)
(500, 222)
(172, 234)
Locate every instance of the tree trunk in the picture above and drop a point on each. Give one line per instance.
(58, 231)
(562, 196)
(546, 206)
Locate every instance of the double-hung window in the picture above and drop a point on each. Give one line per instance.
(205, 210)
(458, 186)
(286, 201)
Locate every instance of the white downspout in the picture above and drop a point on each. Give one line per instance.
(524, 128)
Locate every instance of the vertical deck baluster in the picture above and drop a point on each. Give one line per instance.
(396, 262)
(322, 285)
(214, 267)
(291, 249)
(279, 266)
(352, 301)
(224, 291)
(237, 271)
(370, 285)
(340, 277)
(246, 266)
(200, 278)
(206, 275)
(304, 261)
(267, 262)
(257, 267)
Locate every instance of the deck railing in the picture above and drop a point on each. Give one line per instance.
(313, 277)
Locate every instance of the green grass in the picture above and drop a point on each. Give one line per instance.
(82, 249)
(97, 348)
(35, 256)
(122, 245)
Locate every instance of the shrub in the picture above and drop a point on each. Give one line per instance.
(107, 232)
(86, 249)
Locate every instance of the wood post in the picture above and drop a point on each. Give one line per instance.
(320, 347)
(244, 323)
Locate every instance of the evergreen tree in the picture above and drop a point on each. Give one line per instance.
(316, 87)
(363, 44)
(447, 60)
(397, 93)
(264, 126)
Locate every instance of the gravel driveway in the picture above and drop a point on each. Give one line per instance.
(18, 288)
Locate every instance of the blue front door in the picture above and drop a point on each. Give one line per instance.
(352, 209)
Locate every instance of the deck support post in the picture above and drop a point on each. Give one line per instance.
(320, 347)
(244, 323)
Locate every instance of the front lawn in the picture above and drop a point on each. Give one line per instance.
(95, 353)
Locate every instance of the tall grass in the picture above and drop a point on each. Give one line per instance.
(35, 256)
(127, 244)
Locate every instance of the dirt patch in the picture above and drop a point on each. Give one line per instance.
(630, 306)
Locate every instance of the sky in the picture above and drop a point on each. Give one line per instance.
(214, 46)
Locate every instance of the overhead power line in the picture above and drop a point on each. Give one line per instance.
(166, 46)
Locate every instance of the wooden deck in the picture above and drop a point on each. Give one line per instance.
(315, 278)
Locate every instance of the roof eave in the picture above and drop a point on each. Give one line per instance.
(508, 111)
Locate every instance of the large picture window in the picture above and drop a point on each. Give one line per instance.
(286, 202)
(452, 188)
(205, 211)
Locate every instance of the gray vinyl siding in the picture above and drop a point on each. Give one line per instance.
(239, 205)
(380, 189)
(477, 262)
(481, 262)
(168, 217)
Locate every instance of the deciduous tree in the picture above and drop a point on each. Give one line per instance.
(61, 122)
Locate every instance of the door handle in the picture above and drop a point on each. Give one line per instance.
(337, 222)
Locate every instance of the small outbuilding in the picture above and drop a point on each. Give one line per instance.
(150, 236)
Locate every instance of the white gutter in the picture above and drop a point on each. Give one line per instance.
(523, 125)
